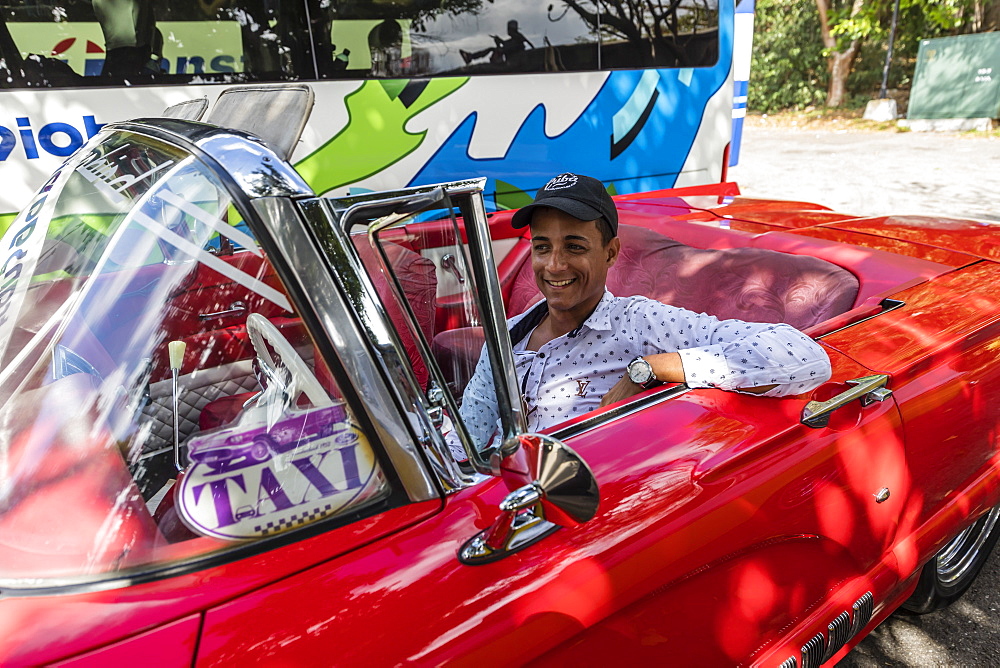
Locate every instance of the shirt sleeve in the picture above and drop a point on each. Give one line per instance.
(733, 354)
(479, 410)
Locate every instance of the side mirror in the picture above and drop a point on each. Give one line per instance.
(551, 486)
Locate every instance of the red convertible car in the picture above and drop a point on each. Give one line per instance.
(228, 410)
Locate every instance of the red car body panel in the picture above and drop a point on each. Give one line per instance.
(968, 236)
(43, 629)
(172, 644)
(942, 351)
(936, 254)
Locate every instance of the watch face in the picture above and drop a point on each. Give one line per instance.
(639, 371)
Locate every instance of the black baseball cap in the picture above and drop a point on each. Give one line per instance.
(582, 197)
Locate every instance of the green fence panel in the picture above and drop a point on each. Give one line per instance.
(957, 77)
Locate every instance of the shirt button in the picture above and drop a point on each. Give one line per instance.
(541, 356)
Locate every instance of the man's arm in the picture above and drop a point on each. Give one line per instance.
(668, 368)
(756, 358)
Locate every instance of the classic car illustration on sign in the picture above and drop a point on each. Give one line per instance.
(230, 423)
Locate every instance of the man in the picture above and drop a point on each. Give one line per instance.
(582, 347)
(505, 49)
(129, 30)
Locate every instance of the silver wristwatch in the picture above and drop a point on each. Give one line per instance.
(641, 373)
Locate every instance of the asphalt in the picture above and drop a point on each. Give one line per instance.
(872, 174)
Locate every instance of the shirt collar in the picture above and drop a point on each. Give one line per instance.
(600, 319)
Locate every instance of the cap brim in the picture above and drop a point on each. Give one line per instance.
(575, 208)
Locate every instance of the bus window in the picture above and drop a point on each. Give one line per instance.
(419, 39)
(112, 42)
(686, 34)
(495, 38)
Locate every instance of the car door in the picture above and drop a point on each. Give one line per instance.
(715, 537)
(941, 346)
(750, 530)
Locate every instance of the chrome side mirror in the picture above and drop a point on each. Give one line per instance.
(551, 486)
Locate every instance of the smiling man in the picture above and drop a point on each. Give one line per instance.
(582, 347)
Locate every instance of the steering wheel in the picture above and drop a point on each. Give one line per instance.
(299, 378)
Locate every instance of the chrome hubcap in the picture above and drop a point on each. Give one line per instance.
(957, 557)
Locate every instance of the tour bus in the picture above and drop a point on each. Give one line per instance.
(407, 93)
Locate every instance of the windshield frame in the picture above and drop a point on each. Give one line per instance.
(466, 199)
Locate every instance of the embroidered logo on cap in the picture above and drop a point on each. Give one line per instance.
(561, 181)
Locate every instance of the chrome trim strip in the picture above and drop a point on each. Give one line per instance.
(864, 608)
(494, 322)
(887, 305)
(630, 408)
(839, 631)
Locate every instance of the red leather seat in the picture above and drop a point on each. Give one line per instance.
(752, 284)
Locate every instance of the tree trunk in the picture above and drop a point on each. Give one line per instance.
(839, 62)
(991, 15)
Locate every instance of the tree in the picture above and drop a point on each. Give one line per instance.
(655, 28)
(788, 68)
(985, 15)
(845, 25)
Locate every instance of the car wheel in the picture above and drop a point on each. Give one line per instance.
(952, 570)
(263, 446)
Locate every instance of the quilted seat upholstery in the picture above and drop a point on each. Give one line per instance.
(753, 284)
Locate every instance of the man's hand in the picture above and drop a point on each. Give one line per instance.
(623, 389)
(667, 368)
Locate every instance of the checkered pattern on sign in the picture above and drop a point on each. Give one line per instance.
(293, 521)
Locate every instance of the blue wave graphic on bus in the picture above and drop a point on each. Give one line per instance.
(660, 145)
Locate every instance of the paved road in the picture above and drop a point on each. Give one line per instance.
(877, 173)
(873, 173)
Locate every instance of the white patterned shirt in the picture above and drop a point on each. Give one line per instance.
(570, 374)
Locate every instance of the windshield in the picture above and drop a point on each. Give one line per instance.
(159, 396)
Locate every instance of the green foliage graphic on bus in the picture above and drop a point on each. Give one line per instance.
(375, 136)
(5, 220)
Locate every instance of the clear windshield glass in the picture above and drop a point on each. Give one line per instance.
(137, 311)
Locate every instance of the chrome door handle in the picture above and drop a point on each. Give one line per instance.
(868, 389)
(236, 308)
(448, 263)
